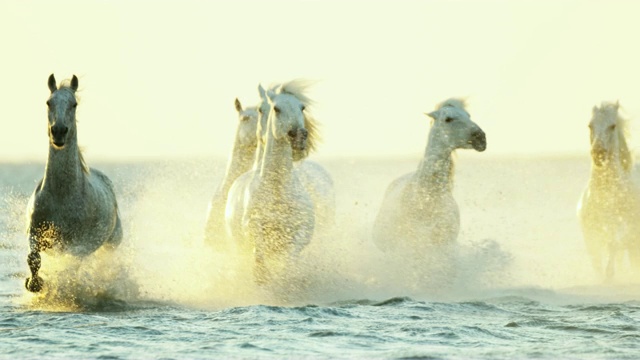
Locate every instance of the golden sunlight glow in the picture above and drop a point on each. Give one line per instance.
(158, 79)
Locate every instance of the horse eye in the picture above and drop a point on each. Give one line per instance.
(48, 103)
(612, 127)
(276, 109)
(75, 105)
(449, 119)
(302, 108)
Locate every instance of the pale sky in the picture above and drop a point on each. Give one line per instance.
(158, 78)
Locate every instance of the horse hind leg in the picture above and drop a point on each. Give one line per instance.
(261, 273)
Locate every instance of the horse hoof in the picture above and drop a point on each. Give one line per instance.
(33, 284)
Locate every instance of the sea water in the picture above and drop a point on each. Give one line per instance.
(518, 286)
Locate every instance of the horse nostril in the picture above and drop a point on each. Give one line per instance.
(292, 133)
(59, 130)
(304, 133)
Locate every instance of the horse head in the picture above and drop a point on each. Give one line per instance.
(247, 126)
(286, 121)
(62, 105)
(302, 128)
(607, 135)
(454, 126)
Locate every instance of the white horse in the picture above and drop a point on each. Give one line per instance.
(609, 209)
(418, 212)
(73, 209)
(314, 177)
(269, 212)
(240, 161)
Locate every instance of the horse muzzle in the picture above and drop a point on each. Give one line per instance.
(478, 141)
(298, 139)
(58, 135)
(599, 156)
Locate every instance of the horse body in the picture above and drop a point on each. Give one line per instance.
(240, 161)
(269, 212)
(418, 211)
(73, 209)
(279, 217)
(609, 207)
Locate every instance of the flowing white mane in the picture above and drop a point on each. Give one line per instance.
(297, 88)
(454, 103)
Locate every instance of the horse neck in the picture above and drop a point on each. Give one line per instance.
(277, 161)
(259, 154)
(65, 170)
(240, 161)
(435, 171)
(617, 170)
(611, 174)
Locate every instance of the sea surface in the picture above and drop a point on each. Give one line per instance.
(519, 284)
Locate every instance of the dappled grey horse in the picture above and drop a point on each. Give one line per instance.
(73, 209)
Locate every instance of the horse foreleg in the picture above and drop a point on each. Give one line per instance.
(35, 282)
(595, 249)
(215, 228)
(260, 271)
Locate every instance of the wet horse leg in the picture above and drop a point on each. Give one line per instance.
(35, 282)
(260, 271)
(594, 242)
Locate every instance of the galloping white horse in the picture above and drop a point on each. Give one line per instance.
(314, 177)
(240, 161)
(418, 211)
(609, 209)
(73, 209)
(269, 211)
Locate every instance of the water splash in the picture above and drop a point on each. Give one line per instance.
(163, 258)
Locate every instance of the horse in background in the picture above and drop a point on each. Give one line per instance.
(73, 209)
(269, 213)
(419, 214)
(609, 208)
(240, 161)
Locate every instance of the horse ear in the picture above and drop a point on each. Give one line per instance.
(52, 83)
(433, 114)
(238, 105)
(74, 83)
(263, 94)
